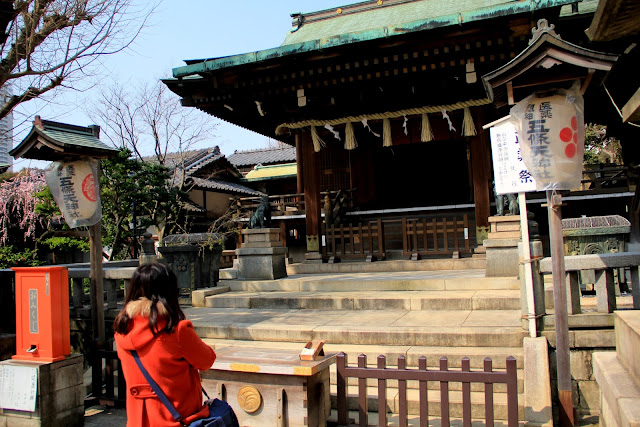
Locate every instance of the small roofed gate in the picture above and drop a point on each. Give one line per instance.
(443, 376)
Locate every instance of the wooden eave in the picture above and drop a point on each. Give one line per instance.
(615, 19)
(412, 70)
(384, 75)
(549, 60)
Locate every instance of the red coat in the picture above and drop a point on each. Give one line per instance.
(172, 360)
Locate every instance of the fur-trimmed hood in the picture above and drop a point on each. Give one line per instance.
(142, 307)
(140, 334)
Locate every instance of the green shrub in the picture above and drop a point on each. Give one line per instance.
(10, 258)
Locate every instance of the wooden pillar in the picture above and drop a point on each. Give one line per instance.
(300, 169)
(299, 163)
(311, 183)
(96, 286)
(481, 175)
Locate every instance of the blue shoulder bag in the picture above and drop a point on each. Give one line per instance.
(220, 413)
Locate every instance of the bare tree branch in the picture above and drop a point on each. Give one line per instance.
(46, 42)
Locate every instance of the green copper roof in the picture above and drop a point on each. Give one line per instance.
(364, 22)
(50, 140)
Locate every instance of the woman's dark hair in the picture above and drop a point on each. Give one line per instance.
(157, 283)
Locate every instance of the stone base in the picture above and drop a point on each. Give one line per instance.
(60, 397)
(313, 257)
(261, 238)
(261, 263)
(537, 383)
(502, 257)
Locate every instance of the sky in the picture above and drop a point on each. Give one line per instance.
(176, 31)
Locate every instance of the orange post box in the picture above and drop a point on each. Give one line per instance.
(42, 313)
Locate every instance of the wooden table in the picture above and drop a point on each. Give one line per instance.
(271, 387)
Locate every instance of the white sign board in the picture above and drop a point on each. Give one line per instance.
(18, 387)
(511, 174)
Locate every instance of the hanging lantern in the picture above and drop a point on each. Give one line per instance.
(551, 135)
(74, 185)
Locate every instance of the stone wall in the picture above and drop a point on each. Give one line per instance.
(586, 393)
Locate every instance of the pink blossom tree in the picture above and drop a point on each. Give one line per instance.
(18, 201)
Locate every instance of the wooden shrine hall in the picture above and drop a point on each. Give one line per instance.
(385, 103)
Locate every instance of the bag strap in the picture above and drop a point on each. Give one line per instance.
(156, 388)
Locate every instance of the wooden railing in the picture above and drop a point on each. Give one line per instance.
(279, 204)
(437, 236)
(103, 382)
(603, 176)
(359, 241)
(403, 374)
(283, 203)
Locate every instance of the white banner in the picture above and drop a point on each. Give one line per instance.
(511, 174)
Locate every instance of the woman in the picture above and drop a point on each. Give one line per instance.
(153, 324)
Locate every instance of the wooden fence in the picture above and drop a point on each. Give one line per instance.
(403, 374)
(420, 237)
(359, 241)
(436, 236)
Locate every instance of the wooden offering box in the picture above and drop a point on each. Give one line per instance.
(271, 387)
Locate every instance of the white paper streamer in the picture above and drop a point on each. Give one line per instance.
(366, 125)
(404, 125)
(334, 132)
(259, 105)
(446, 117)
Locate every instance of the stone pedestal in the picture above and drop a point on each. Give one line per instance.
(271, 387)
(262, 256)
(60, 395)
(502, 246)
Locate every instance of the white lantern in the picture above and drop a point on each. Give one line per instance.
(75, 188)
(551, 134)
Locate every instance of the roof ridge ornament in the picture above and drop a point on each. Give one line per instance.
(298, 20)
(543, 27)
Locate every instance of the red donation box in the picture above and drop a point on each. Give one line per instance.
(42, 314)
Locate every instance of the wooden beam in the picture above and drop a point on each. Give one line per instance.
(76, 234)
(510, 93)
(631, 110)
(585, 83)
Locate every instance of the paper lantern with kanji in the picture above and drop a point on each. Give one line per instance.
(551, 134)
(74, 185)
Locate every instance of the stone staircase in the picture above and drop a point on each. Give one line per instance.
(618, 373)
(438, 313)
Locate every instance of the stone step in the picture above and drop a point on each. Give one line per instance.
(463, 328)
(433, 354)
(228, 274)
(393, 420)
(388, 266)
(627, 327)
(434, 399)
(412, 354)
(619, 390)
(385, 300)
(407, 281)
